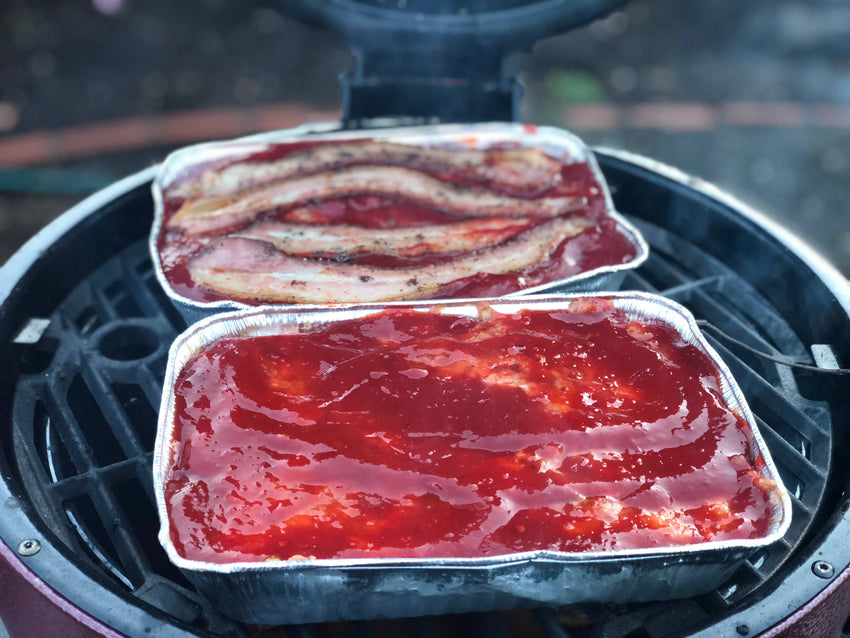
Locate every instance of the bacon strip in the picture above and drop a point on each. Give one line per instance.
(527, 170)
(412, 241)
(214, 213)
(254, 270)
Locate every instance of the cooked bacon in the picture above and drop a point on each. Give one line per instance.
(254, 270)
(412, 241)
(210, 214)
(525, 170)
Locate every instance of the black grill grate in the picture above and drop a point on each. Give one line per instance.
(84, 412)
(85, 423)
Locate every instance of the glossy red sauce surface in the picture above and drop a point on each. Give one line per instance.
(409, 434)
(603, 245)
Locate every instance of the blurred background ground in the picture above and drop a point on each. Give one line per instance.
(753, 96)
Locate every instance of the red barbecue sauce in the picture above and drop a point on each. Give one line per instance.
(409, 434)
(601, 245)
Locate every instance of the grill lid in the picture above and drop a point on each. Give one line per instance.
(444, 59)
(408, 24)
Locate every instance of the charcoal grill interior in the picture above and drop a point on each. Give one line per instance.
(78, 422)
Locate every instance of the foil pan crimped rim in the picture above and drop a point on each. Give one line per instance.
(555, 141)
(270, 320)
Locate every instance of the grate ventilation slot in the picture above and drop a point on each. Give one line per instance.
(86, 521)
(101, 440)
(140, 414)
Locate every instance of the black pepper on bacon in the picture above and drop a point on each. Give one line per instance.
(491, 221)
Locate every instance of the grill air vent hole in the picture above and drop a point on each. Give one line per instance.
(128, 342)
(139, 412)
(99, 435)
(95, 541)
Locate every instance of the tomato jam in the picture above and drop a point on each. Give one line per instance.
(420, 434)
(602, 243)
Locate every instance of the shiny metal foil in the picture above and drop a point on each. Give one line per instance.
(284, 592)
(555, 142)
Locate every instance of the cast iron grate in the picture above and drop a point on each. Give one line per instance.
(84, 418)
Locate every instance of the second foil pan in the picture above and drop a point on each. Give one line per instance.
(317, 590)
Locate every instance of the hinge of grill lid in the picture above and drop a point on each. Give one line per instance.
(433, 86)
(430, 83)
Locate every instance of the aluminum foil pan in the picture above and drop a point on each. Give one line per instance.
(555, 142)
(350, 589)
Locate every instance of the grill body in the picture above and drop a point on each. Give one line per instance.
(30, 607)
(76, 426)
